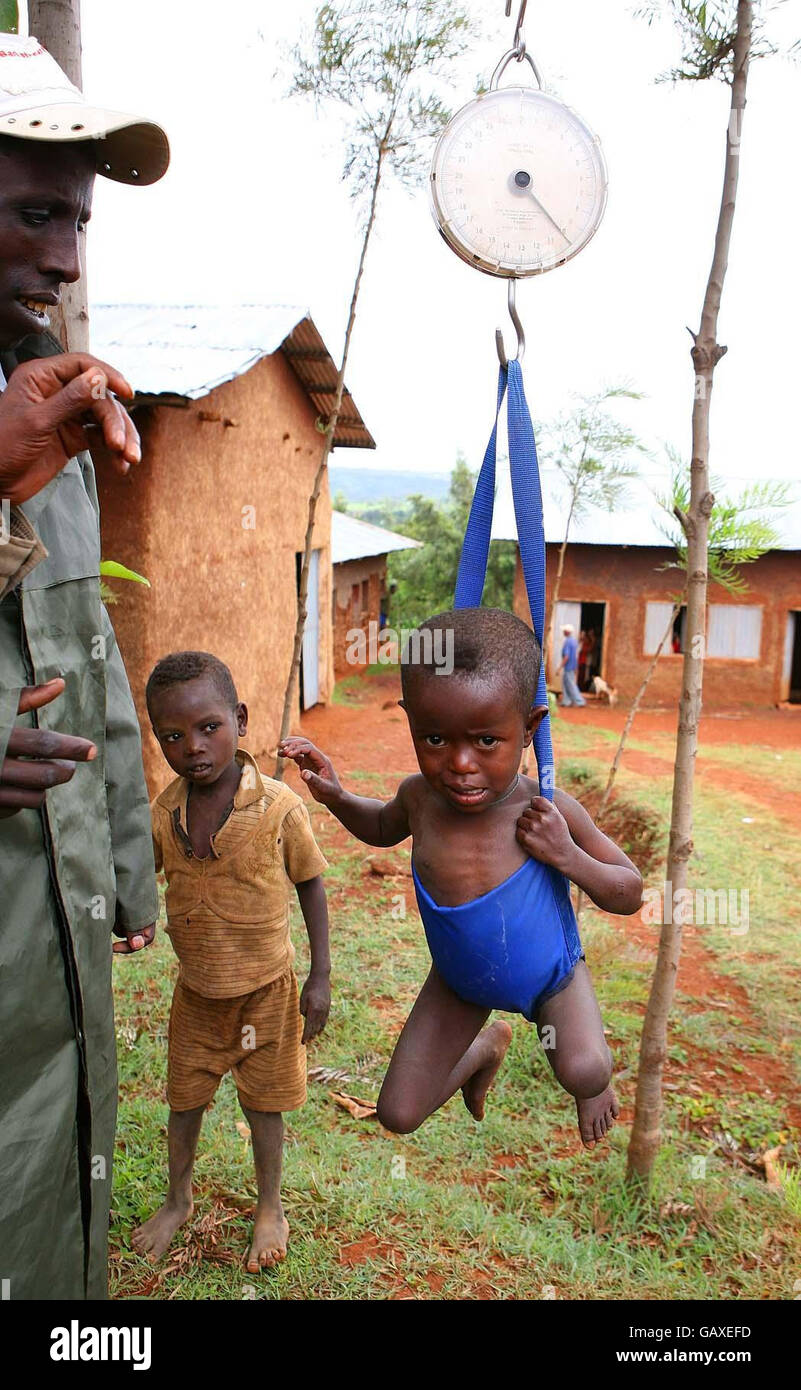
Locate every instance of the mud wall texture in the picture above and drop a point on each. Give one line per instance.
(358, 586)
(627, 578)
(215, 517)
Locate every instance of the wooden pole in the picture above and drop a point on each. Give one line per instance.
(57, 25)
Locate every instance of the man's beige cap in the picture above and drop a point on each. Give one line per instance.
(38, 102)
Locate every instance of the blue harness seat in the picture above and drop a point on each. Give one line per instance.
(511, 948)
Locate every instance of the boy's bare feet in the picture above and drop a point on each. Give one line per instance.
(496, 1040)
(596, 1116)
(270, 1235)
(153, 1237)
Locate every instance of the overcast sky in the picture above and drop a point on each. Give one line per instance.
(253, 209)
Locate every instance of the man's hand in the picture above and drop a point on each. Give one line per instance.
(37, 759)
(133, 940)
(316, 769)
(315, 1004)
(544, 834)
(44, 414)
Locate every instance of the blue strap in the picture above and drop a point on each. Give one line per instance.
(527, 495)
(472, 570)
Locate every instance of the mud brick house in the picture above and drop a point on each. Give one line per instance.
(614, 584)
(227, 404)
(359, 553)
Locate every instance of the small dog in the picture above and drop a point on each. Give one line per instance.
(604, 691)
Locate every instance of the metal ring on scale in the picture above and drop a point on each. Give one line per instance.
(518, 55)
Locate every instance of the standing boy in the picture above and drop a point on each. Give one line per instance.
(230, 841)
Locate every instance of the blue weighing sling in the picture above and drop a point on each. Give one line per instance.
(517, 945)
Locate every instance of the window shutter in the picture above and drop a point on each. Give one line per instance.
(656, 620)
(735, 630)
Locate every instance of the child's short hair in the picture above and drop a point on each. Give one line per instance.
(189, 666)
(486, 642)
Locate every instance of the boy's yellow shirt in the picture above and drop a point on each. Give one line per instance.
(228, 915)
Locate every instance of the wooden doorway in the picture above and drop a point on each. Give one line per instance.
(310, 653)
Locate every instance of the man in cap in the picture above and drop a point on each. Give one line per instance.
(75, 845)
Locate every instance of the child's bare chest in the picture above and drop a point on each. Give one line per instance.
(202, 822)
(459, 857)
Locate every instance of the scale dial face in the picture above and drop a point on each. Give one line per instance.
(518, 182)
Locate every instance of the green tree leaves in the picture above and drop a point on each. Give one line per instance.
(707, 32)
(594, 452)
(388, 63)
(426, 578)
(740, 529)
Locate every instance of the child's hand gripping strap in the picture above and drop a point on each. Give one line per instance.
(527, 495)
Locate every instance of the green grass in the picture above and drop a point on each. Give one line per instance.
(509, 1207)
(740, 855)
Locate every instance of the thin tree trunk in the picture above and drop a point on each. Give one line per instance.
(706, 353)
(638, 698)
(303, 590)
(557, 584)
(576, 488)
(57, 25)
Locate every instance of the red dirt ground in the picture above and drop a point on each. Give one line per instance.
(774, 730)
(372, 736)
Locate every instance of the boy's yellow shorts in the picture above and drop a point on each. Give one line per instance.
(256, 1036)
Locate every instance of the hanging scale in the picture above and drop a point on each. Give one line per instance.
(518, 180)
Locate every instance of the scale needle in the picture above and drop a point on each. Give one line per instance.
(559, 229)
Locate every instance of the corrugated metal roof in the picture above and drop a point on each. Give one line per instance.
(352, 539)
(182, 351)
(636, 522)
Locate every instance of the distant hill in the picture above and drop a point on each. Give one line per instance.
(373, 485)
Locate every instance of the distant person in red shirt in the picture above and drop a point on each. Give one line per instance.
(590, 657)
(584, 648)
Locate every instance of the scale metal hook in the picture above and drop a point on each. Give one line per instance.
(519, 43)
(521, 337)
(518, 52)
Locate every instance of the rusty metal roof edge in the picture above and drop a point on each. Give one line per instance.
(353, 421)
(350, 422)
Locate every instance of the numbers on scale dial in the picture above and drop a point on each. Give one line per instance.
(518, 183)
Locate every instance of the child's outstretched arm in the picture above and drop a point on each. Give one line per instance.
(375, 822)
(315, 997)
(561, 833)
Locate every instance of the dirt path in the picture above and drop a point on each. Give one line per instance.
(699, 981)
(372, 736)
(369, 736)
(714, 775)
(771, 728)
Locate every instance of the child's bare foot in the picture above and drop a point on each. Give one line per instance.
(270, 1235)
(495, 1040)
(153, 1237)
(596, 1116)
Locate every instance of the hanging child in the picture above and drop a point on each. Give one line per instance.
(491, 862)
